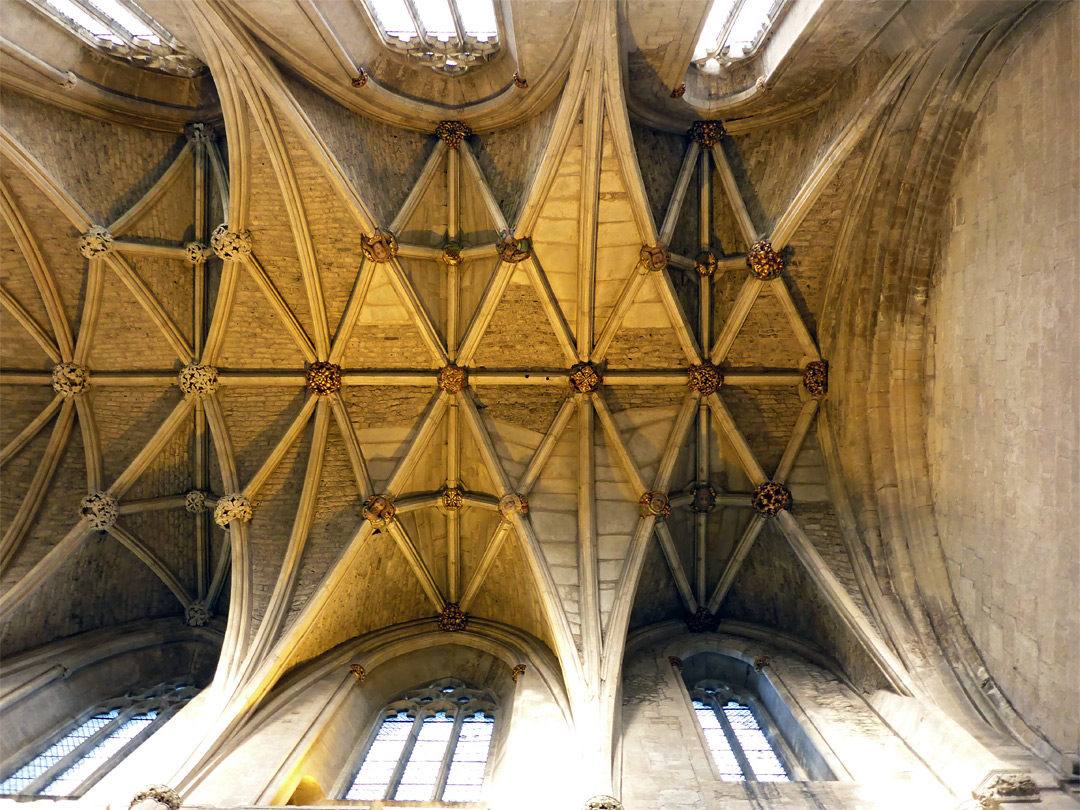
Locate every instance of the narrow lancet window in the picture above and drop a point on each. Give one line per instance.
(738, 746)
(70, 765)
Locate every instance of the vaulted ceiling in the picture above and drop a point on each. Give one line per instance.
(304, 170)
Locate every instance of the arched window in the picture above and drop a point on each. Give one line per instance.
(738, 745)
(120, 28)
(72, 761)
(751, 732)
(449, 36)
(734, 30)
(431, 745)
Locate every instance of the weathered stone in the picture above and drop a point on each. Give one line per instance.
(197, 380)
(96, 242)
(100, 509)
(69, 379)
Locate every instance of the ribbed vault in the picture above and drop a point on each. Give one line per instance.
(397, 342)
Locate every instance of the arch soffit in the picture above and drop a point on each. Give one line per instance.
(504, 643)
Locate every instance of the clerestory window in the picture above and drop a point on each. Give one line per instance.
(450, 36)
(734, 30)
(122, 29)
(431, 745)
(738, 746)
(69, 763)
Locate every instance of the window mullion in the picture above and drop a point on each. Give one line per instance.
(114, 26)
(733, 741)
(78, 753)
(448, 755)
(406, 753)
(459, 26)
(725, 32)
(417, 22)
(163, 714)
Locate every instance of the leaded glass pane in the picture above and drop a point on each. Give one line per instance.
(21, 779)
(382, 757)
(69, 781)
(421, 774)
(466, 777)
(719, 746)
(767, 766)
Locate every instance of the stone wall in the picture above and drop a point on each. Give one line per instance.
(665, 763)
(1003, 400)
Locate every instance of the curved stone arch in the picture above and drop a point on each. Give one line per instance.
(47, 686)
(341, 712)
(878, 456)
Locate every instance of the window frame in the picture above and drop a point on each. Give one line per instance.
(418, 46)
(716, 52)
(410, 702)
(167, 56)
(161, 698)
(716, 700)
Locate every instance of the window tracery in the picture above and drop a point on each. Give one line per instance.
(69, 765)
(432, 745)
(122, 29)
(450, 36)
(735, 738)
(734, 30)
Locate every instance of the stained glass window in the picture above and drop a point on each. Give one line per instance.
(68, 766)
(738, 746)
(430, 746)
